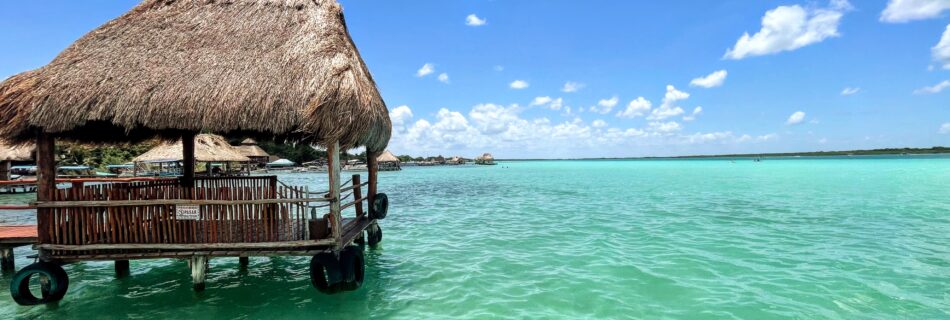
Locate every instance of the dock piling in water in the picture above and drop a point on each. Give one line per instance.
(121, 268)
(6, 259)
(199, 269)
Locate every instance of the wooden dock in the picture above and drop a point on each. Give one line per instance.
(12, 237)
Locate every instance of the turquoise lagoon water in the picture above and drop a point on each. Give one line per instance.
(857, 238)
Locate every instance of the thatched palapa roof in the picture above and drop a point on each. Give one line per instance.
(208, 148)
(387, 156)
(11, 152)
(275, 69)
(249, 148)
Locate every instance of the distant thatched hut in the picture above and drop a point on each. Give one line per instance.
(209, 148)
(388, 161)
(456, 160)
(10, 153)
(485, 159)
(284, 70)
(250, 149)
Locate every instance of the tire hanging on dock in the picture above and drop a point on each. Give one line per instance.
(56, 276)
(354, 267)
(380, 206)
(374, 235)
(325, 273)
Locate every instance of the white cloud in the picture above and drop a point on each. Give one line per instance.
(400, 117)
(539, 101)
(444, 77)
(762, 138)
(709, 137)
(519, 84)
(795, 118)
(571, 86)
(847, 91)
(637, 107)
(787, 28)
(941, 51)
(908, 10)
(502, 130)
(712, 80)
(945, 128)
(823, 140)
(499, 68)
(550, 103)
(426, 69)
(668, 108)
(604, 106)
(664, 127)
(474, 21)
(934, 88)
(692, 116)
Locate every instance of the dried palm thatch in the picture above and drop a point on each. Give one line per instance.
(13, 152)
(273, 69)
(208, 148)
(249, 149)
(387, 156)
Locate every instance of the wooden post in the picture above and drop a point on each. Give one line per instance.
(45, 182)
(199, 270)
(372, 167)
(121, 268)
(357, 195)
(135, 169)
(333, 165)
(243, 261)
(4, 170)
(188, 149)
(6, 259)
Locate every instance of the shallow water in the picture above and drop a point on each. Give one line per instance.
(859, 238)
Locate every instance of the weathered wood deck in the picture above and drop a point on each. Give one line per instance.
(17, 235)
(12, 237)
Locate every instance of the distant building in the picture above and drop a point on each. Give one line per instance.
(11, 153)
(387, 161)
(485, 159)
(251, 150)
(456, 160)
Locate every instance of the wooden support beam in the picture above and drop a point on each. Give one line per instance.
(357, 195)
(188, 156)
(4, 170)
(121, 268)
(333, 166)
(199, 271)
(45, 182)
(7, 260)
(373, 170)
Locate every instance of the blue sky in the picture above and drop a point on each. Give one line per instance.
(633, 64)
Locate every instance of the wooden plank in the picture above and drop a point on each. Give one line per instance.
(185, 254)
(372, 166)
(18, 235)
(188, 246)
(134, 203)
(45, 182)
(333, 165)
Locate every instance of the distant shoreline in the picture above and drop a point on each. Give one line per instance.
(871, 152)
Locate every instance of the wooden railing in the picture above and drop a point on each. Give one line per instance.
(231, 210)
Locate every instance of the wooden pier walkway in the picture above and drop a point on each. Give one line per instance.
(12, 237)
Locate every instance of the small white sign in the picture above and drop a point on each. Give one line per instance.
(186, 212)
